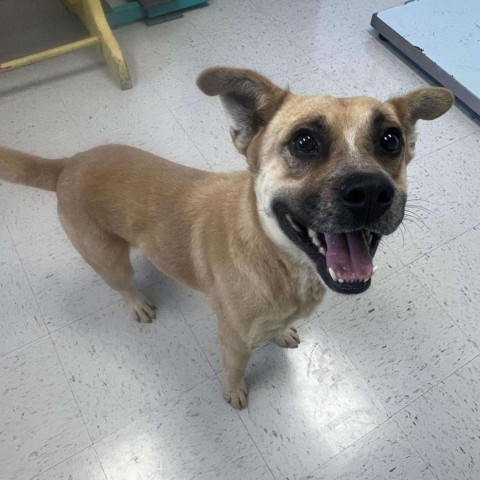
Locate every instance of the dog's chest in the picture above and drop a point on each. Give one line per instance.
(308, 290)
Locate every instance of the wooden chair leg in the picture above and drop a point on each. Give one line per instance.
(92, 15)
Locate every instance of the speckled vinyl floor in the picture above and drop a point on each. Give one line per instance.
(385, 385)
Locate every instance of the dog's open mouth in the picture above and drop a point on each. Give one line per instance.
(344, 260)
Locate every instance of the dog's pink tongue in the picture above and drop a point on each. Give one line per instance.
(348, 255)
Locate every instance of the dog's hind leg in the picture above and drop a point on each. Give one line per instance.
(109, 256)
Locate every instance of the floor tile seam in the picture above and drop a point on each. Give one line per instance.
(69, 113)
(172, 113)
(28, 344)
(99, 309)
(467, 335)
(365, 380)
(433, 386)
(153, 410)
(354, 364)
(352, 445)
(450, 240)
(404, 430)
(59, 463)
(184, 318)
(24, 92)
(97, 456)
(19, 258)
(54, 348)
(71, 391)
(356, 369)
(431, 152)
(249, 434)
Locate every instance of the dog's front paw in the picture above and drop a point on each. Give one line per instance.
(237, 397)
(288, 339)
(142, 309)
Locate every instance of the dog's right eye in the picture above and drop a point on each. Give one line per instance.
(304, 143)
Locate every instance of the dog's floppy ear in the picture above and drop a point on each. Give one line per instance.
(423, 104)
(250, 99)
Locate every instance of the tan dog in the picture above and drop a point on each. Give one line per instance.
(326, 179)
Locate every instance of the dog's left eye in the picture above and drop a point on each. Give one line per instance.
(391, 140)
(304, 142)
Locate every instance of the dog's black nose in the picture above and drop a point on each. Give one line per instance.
(367, 195)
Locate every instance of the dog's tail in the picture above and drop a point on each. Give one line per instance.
(30, 170)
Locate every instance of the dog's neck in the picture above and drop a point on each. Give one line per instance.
(300, 273)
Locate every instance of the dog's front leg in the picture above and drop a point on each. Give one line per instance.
(235, 358)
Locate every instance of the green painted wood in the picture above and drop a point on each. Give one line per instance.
(134, 11)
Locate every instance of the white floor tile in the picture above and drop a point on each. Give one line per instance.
(137, 117)
(149, 50)
(436, 134)
(29, 80)
(176, 77)
(308, 79)
(207, 125)
(40, 421)
(120, 369)
(198, 436)
(369, 68)
(399, 339)
(38, 124)
(220, 13)
(443, 425)
(319, 29)
(258, 45)
(308, 404)
(110, 109)
(450, 274)
(28, 212)
(381, 454)
(433, 216)
(245, 38)
(197, 311)
(456, 168)
(65, 286)
(82, 466)
(21, 320)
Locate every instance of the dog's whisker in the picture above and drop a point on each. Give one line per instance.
(415, 222)
(419, 207)
(418, 199)
(416, 216)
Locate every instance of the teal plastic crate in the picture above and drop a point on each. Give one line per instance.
(134, 11)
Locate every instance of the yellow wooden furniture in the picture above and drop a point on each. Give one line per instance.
(92, 15)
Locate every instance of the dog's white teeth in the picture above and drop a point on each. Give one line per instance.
(332, 274)
(292, 223)
(366, 280)
(314, 237)
(341, 280)
(375, 268)
(322, 250)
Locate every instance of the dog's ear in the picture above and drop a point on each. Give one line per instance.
(423, 104)
(250, 99)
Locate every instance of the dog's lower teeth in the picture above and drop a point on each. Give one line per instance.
(322, 251)
(341, 280)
